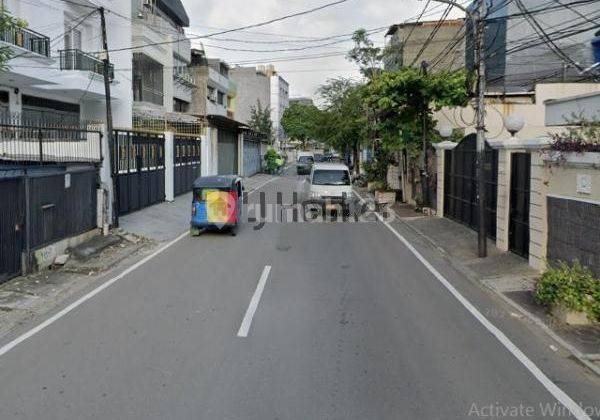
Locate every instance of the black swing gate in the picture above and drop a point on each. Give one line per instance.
(520, 185)
(138, 162)
(187, 163)
(460, 184)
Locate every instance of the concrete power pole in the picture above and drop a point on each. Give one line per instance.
(477, 17)
(479, 27)
(109, 120)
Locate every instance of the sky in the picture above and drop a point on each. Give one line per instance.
(305, 75)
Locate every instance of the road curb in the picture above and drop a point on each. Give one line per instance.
(585, 360)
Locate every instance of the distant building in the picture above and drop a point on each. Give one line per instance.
(280, 100)
(301, 100)
(445, 51)
(515, 65)
(253, 86)
(261, 85)
(215, 92)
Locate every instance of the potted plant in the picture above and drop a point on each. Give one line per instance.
(383, 195)
(571, 292)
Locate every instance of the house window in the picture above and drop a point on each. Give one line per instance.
(147, 79)
(221, 98)
(211, 94)
(180, 106)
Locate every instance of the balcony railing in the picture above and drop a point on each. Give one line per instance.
(79, 60)
(184, 77)
(28, 39)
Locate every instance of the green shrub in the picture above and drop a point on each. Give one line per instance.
(571, 286)
(271, 161)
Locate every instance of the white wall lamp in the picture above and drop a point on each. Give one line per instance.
(513, 124)
(445, 131)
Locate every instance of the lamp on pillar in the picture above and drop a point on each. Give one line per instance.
(513, 124)
(445, 131)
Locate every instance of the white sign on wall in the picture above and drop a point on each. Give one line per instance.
(584, 184)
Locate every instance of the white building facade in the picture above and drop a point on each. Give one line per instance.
(161, 81)
(55, 75)
(280, 100)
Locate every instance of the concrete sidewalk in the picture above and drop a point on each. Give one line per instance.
(507, 274)
(167, 220)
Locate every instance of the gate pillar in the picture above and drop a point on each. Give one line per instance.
(169, 166)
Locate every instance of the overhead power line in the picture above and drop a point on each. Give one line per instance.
(241, 28)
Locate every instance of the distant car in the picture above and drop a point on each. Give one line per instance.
(304, 163)
(319, 157)
(330, 185)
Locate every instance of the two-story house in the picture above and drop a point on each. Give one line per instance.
(55, 74)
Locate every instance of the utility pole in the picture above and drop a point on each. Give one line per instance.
(109, 120)
(477, 17)
(479, 27)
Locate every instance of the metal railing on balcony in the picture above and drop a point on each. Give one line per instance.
(28, 39)
(184, 77)
(39, 144)
(78, 60)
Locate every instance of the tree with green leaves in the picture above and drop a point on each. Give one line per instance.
(366, 54)
(342, 123)
(300, 121)
(260, 120)
(8, 23)
(404, 102)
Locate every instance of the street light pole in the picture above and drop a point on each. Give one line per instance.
(477, 18)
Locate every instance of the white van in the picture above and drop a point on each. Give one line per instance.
(329, 184)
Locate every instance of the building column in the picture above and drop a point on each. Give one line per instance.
(205, 156)
(503, 200)
(538, 213)
(440, 151)
(106, 180)
(240, 154)
(169, 166)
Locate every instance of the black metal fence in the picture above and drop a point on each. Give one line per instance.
(41, 205)
(74, 59)
(187, 163)
(28, 39)
(42, 144)
(62, 205)
(11, 226)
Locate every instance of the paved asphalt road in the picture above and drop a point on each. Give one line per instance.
(350, 326)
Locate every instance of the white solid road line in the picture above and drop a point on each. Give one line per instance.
(260, 287)
(85, 298)
(576, 410)
(49, 321)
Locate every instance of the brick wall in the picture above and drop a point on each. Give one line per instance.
(574, 232)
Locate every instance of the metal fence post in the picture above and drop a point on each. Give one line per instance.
(40, 145)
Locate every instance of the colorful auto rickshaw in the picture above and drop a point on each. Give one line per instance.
(216, 203)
